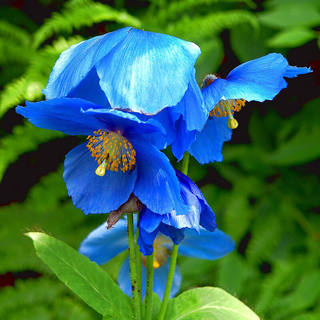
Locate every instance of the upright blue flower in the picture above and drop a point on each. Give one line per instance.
(132, 70)
(120, 157)
(101, 245)
(256, 80)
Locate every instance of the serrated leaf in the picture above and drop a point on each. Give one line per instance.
(208, 303)
(83, 277)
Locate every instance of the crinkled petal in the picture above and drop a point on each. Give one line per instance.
(102, 244)
(157, 186)
(90, 192)
(160, 276)
(176, 235)
(206, 245)
(62, 115)
(75, 63)
(148, 220)
(147, 71)
(260, 79)
(208, 144)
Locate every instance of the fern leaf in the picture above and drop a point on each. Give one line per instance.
(11, 51)
(14, 33)
(29, 138)
(195, 28)
(79, 14)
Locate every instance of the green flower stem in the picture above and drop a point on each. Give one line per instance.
(173, 261)
(139, 270)
(174, 253)
(133, 268)
(185, 163)
(148, 300)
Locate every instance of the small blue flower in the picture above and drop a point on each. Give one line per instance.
(120, 157)
(256, 80)
(101, 245)
(173, 225)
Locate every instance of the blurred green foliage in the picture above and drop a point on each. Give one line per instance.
(264, 193)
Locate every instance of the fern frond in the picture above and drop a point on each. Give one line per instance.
(14, 33)
(28, 137)
(30, 84)
(199, 27)
(78, 14)
(11, 51)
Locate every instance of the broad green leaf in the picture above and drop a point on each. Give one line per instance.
(302, 148)
(291, 38)
(208, 303)
(291, 15)
(83, 277)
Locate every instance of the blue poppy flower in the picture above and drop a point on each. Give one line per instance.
(256, 80)
(101, 245)
(120, 157)
(173, 225)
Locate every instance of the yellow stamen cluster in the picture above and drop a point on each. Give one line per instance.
(227, 108)
(112, 151)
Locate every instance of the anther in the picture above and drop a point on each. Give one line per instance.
(101, 170)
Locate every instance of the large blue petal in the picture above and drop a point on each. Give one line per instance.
(75, 63)
(92, 193)
(208, 144)
(176, 235)
(206, 245)
(102, 244)
(147, 71)
(138, 70)
(63, 115)
(260, 79)
(159, 280)
(157, 185)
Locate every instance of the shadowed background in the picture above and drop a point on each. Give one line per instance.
(265, 193)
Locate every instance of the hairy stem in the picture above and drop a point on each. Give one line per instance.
(148, 299)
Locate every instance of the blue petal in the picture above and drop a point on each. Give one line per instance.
(149, 220)
(157, 185)
(260, 79)
(206, 245)
(208, 144)
(130, 125)
(183, 139)
(101, 244)
(138, 70)
(89, 89)
(92, 193)
(192, 107)
(62, 114)
(176, 235)
(75, 63)
(147, 71)
(160, 280)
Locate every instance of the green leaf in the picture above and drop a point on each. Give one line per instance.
(291, 38)
(83, 277)
(291, 15)
(208, 303)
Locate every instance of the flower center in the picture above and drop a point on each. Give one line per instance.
(160, 252)
(112, 151)
(226, 108)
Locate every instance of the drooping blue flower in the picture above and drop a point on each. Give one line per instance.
(172, 225)
(101, 245)
(120, 157)
(256, 80)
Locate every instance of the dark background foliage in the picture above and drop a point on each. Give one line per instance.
(265, 193)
